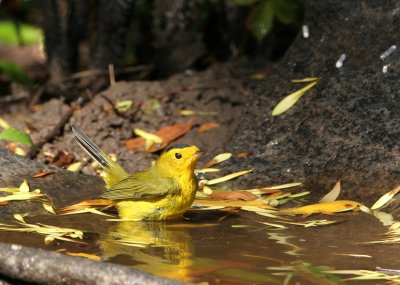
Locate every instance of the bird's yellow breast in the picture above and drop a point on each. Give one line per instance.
(169, 207)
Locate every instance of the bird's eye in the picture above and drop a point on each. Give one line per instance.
(178, 155)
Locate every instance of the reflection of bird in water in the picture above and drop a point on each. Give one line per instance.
(155, 247)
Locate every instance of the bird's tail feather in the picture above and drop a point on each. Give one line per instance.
(113, 172)
(90, 147)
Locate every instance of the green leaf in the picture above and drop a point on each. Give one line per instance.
(15, 135)
(29, 34)
(261, 18)
(15, 73)
(287, 11)
(244, 2)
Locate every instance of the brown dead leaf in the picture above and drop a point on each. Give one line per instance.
(232, 195)
(62, 158)
(208, 126)
(43, 173)
(242, 154)
(168, 134)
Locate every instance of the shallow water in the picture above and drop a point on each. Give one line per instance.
(230, 247)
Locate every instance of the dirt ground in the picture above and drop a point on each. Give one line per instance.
(156, 104)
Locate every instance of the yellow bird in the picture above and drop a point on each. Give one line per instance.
(163, 191)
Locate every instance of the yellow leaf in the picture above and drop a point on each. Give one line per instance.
(49, 208)
(149, 138)
(333, 194)
(74, 167)
(205, 170)
(218, 159)
(18, 150)
(85, 255)
(20, 218)
(230, 203)
(283, 186)
(10, 190)
(196, 113)
(24, 188)
(124, 105)
(291, 99)
(323, 208)
(305, 80)
(385, 198)
(227, 177)
(4, 124)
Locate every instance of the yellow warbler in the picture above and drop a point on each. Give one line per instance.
(165, 190)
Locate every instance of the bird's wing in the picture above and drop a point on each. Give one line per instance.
(141, 186)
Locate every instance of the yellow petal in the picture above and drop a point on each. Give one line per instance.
(85, 255)
(4, 124)
(305, 80)
(49, 208)
(291, 99)
(218, 159)
(385, 198)
(196, 113)
(24, 188)
(74, 167)
(333, 194)
(283, 186)
(124, 105)
(10, 190)
(148, 136)
(20, 218)
(228, 177)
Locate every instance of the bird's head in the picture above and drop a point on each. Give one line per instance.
(178, 159)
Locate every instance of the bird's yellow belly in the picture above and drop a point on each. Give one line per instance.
(169, 207)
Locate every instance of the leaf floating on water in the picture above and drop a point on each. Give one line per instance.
(287, 102)
(284, 186)
(278, 226)
(228, 177)
(85, 205)
(382, 201)
(51, 232)
(231, 195)
(323, 208)
(367, 275)
(218, 159)
(333, 194)
(85, 210)
(229, 203)
(313, 223)
(167, 134)
(43, 173)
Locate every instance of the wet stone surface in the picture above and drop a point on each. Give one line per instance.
(347, 126)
